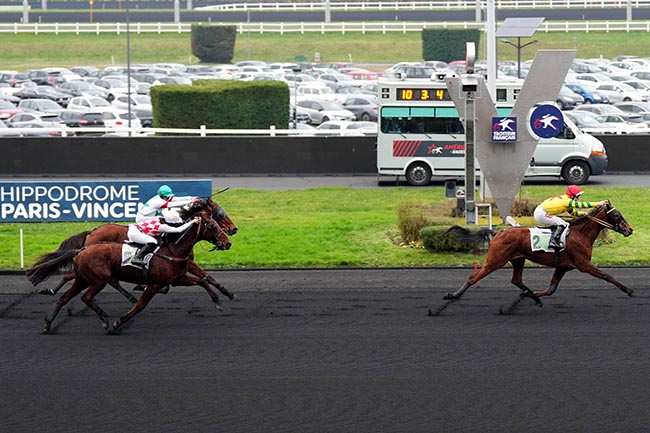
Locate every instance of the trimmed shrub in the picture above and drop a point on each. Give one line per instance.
(447, 45)
(213, 44)
(220, 104)
(453, 239)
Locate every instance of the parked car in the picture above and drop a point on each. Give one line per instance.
(588, 96)
(13, 77)
(638, 85)
(18, 119)
(6, 131)
(631, 124)
(600, 109)
(364, 108)
(634, 107)
(619, 92)
(567, 99)
(322, 111)
(39, 104)
(120, 119)
(409, 70)
(44, 92)
(138, 102)
(316, 90)
(590, 81)
(337, 80)
(83, 88)
(78, 119)
(43, 129)
(346, 128)
(89, 103)
(41, 76)
(587, 122)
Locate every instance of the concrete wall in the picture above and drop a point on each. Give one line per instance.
(191, 156)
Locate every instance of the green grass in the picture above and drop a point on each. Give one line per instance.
(23, 51)
(338, 227)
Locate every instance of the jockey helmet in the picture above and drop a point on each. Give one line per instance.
(165, 191)
(573, 191)
(171, 216)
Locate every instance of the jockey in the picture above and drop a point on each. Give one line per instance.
(547, 212)
(164, 200)
(146, 231)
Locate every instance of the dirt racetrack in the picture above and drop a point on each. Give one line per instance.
(334, 351)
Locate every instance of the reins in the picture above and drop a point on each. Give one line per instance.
(603, 223)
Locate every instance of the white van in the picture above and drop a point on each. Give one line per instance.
(421, 136)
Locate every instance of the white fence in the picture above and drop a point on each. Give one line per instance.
(311, 27)
(424, 5)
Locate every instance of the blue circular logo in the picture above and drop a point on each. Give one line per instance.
(547, 121)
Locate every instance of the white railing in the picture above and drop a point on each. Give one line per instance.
(422, 5)
(66, 131)
(311, 27)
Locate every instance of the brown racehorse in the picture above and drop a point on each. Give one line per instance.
(118, 233)
(99, 264)
(513, 245)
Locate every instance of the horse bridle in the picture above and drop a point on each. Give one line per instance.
(616, 227)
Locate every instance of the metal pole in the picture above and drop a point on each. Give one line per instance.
(518, 57)
(470, 169)
(128, 63)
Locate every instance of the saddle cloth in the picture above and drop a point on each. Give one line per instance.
(128, 253)
(540, 237)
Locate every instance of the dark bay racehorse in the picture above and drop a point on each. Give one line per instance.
(118, 233)
(513, 245)
(99, 264)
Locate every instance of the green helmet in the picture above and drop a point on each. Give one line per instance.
(165, 191)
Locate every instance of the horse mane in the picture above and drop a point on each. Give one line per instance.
(586, 217)
(191, 209)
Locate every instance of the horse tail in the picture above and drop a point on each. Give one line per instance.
(74, 242)
(50, 263)
(481, 235)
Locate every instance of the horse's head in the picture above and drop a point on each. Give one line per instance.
(222, 218)
(209, 229)
(616, 219)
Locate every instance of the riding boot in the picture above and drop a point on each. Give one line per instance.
(138, 260)
(556, 236)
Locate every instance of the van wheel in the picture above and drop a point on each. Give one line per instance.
(587, 101)
(418, 174)
(627, 99)
(575, 172)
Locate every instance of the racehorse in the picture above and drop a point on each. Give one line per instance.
(514, 245)
(99, 264)
(118, 233)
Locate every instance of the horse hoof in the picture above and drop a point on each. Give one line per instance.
(449, 297)
(105, 324)
(218, 307)
(48, 292)
(630, 293)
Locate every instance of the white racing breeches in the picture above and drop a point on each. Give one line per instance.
(135, 235)
(543, 217)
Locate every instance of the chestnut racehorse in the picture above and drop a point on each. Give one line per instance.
(99, 264)
(118, 233)
(513, 245)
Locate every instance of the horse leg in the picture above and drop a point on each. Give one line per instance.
(149, 293)
(189, 280)
(483, 272)
(518, 280)
(89, 299)
(590, 269)
(194, 269)
(555, 282)
(66, 277)
(116, 285)
(77, 287)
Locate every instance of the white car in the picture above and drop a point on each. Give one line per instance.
(120, 120)
(322, 111)
(347, 128)
(619, 92)
(89, 103)
(138, 102)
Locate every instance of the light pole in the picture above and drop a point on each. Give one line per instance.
(295, 97)
(128, 64)
(519, 46)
